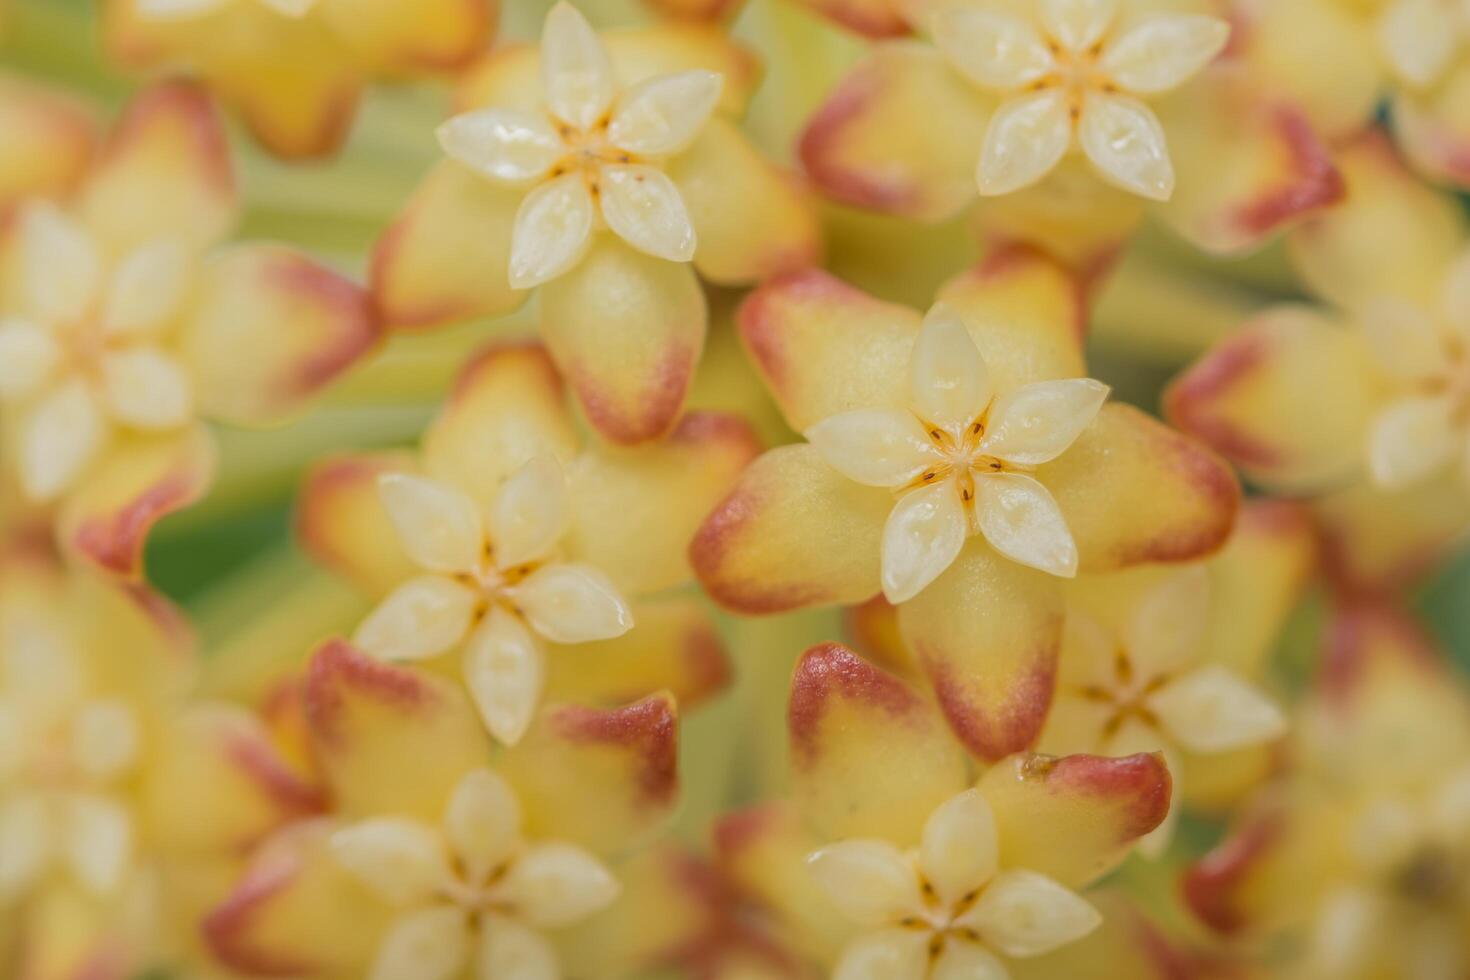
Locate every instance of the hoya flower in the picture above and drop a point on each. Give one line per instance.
(471, 894)
(1392, 264)
(1074, 76)
(294, 69)
(509, 548)
(603, 172)
(124, 328)
(934, 876)
(1056, 484)
(1356, 864)
(450, 869)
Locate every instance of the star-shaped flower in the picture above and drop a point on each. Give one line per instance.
(592, 158)
(472, 895)
(961, 459)
(1075, 74)
(493, 586)
(946, 909)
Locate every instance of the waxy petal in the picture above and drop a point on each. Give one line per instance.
(626, 329)
(60, 268)
(554, 885)
(948, 382)
(1163, 52)
(1433, 130)
(576, 75)
(269, 329)
(1186, 511)
(505, 672)
(722, 179)
(508, 145)
(802, 332)
(1253, 398)
(1416, 40)
(604, 779)
(875, 447)
(673, 484)
(663, 115)
(402, 861)
(1168, 622)
(959, 849)
(341, 524)
(870, 757)
(164, 173)
(642, 206)
(422, 618)
(147, 389)
(1036, 423)
(1022, 913)
(888, 954)
(572, 603)
(1020, 519)
(482, 822)
(430, 943)
(447, 256)
(794, 532)
(552, 231)
(866, 146)
(26, 832)
(870, 881)
(994, 50)
(437, 525)
(60, 437)
(986, 633)
(28, 356)
(1026, 139)
(1077, 24)
(1125, 142)
(1076, 817)
(1212, 709)
(1411, 439)
(923, 535)
(964, 960)
(509, 949)
(507, 407)
(95, 840)
(147, 289)
(529, 513)
(373, 725)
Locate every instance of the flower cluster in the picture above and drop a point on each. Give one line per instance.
(714, 490)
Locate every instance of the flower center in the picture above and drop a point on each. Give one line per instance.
(1126, 696)
(1452, 382)
(587, 152)
(493, 583)
(961, 458)
(1077, 73)
(939, 920)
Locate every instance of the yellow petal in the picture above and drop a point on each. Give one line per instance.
(663, 115)
(434, 36)
(572, 603)
(373, 725)
(1021, 520)
(166, 173)
(431, 943)
(643, 207)
(439, 526)
(722, 179)
(1022, 913)
(1455, 296)
(507, 407)
(1036, 423)
(673, 484)
(27, 833)
(922, 537)
(986, 634)
(509, 949)
(1411, 439)
(147, 389)
(1026, 139)
(482, 822)
(875, 447)
(869, 146)
(505, 671)
(1433, 130)
(269, 330)
(529, 512)
(869, 756)
(105, 521)
(105, 738)
(1375, 539)
(1213, 710)
(888, 954)
(994, 50)
(870, 881)
(554, 885)
(55, 136)
(59, 438)
(402, 861)
(552, 231)
(1077, 24)
(96, 839)
(965, 960)
(804, 331)
(1125, 143)
(341, 524)
(60, 267)
(1254, 398)
(1163, 52)
(1158, 497)
(447, 256)
(627, 330)
(793, 532)
(948, 382)
(147, 289)
(1076, 817)
(422, 618)
(1418, 43)
(959, 851)
(503, 144)
(575, 71)
(604, 779)
(28, 356)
